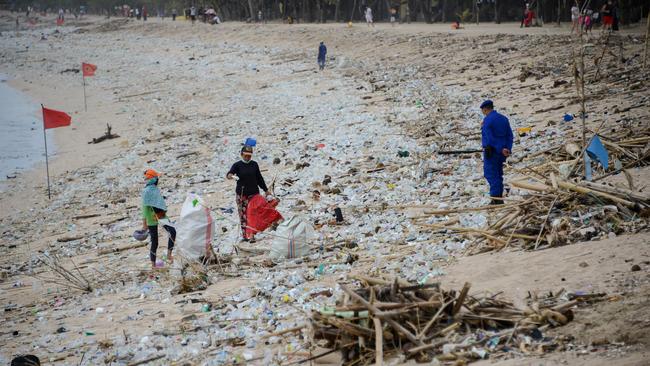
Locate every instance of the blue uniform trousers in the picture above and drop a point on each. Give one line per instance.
(493, 172)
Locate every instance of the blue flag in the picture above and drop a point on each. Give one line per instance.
(597, 151)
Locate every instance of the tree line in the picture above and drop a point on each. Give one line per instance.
(321, 11)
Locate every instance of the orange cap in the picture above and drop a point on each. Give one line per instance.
(150, 173)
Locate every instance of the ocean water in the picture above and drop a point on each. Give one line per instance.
(21, 132)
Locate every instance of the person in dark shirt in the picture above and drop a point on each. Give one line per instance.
(322, 53)
(249, 181)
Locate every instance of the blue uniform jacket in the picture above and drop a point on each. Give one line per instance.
(496, 132)
(322, 51)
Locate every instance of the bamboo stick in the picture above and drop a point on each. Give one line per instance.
(376, 311)
(379, 343)
(617, 191)
(584, 190)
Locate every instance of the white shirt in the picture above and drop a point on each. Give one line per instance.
(575, 12)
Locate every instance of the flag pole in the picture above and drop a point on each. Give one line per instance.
(84, 82)
(47, 164)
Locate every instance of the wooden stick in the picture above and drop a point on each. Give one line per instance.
(379, 342)
(86, 216)
(461, 298)
(487, 234)
(69, 238)
(616, 191)
(472, 209)
(121, 249)
(285, 331)
(376, 311)
(531, 186)
(541, 230)
(584, 190)
(512, 233)
(434, 318)
(146, 360)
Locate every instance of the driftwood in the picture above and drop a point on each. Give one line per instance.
(88, 216)
(66, 239)
(107, 136)
(146, 360)
(364, 332)
(122, 249)
(459, 152)
(643, 197)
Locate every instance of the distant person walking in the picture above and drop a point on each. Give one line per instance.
(174, 15)
(137, 13)
(575, 14)
(368, 14)
(393, 16)
(144, 13)
(322, 54)
(193, 14)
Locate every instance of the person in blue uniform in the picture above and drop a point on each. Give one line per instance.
(496, 138)
(322, 53)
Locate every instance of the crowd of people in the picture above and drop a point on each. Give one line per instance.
(583, 17)
(205, 15)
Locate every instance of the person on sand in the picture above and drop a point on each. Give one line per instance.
(249, 179)
(154, 210)
(526, 18)
(322, 54)
(368, 15)
(608, 17)
(193, 14)
(496, 138)
(589, 23)
(174, 15)
(575, 14)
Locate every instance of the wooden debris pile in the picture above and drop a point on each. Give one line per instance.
(385, 319)
(558, 205)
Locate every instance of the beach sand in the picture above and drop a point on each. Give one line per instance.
(183, 98)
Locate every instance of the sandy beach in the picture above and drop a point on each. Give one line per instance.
(183, 98)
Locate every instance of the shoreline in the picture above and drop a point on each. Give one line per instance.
(24, 135)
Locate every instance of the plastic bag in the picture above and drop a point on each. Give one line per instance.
(195, 229)
(260, 214)
(293, 238)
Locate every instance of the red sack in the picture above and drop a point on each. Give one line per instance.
(260, 214)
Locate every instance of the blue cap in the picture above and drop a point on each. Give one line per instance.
(487, 104)
(250, 141)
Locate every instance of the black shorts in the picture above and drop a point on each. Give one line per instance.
(193, 17)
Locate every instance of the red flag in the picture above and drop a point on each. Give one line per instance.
(88, 69)
(54, 119)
